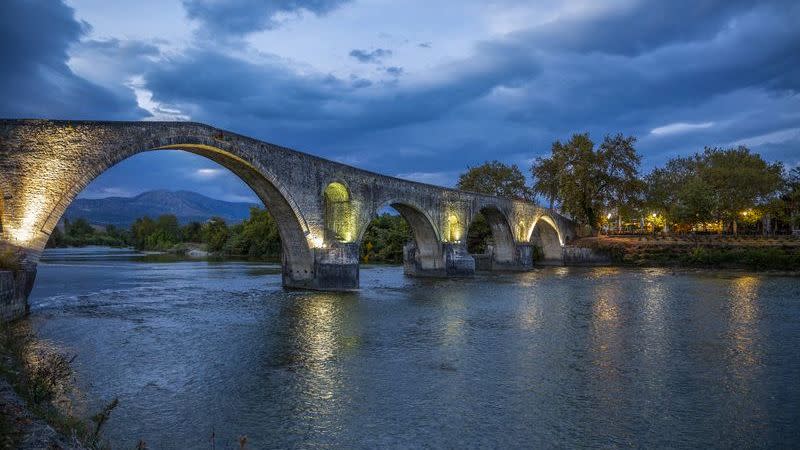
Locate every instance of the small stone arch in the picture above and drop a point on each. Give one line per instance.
(454, 229)
(545, 234)
(504, 249)
(339, 214)
(426, 238)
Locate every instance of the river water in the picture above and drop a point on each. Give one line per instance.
(567, 357)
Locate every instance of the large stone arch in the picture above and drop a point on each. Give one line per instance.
(64, 167)
(424, 255)
(546, 235)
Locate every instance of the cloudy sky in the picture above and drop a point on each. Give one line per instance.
(412, 88)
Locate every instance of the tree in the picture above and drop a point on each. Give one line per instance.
(79, 228)
(215, 234)
(678, 193)
(256, 237)
(693, 203)
(192, 232)
(589, 179)
(622, 173)
(495, 178)
(740, 180)
(384, 239)
(140, 230)
(791, 198)
(545, 173)
(168, 231)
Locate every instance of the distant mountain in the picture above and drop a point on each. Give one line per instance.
(187, 206)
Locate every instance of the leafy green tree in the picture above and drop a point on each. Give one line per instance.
(496, 178)
(141, 229)
(215, 234)
(694, 204)
(384, 239)
(791, 198)
(256, 237)
(168, 231)
(545, 173)
(678, 193)
(479, 235)
(80, 228)
(160, 234)
(625, 188)
(740, 180)
(192, 232)
(589, 179)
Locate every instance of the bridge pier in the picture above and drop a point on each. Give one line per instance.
(521, 259)
(335, 268)
(452, 261)
(17, 274)
(15, 286)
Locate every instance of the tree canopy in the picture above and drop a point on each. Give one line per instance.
(496, 178)
(726, 185)
(585, 179)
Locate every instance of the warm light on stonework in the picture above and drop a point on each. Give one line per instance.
(454, 228)
(340, 213)
(550, 222)
(24, 233)
(316, 241)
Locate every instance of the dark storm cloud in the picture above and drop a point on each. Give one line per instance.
(731, 65)
(239, 17)
(244, 91)
(248, 92)
(35, 80)
(394, 71)
(517, 94)
(374, 56)
(641, 26)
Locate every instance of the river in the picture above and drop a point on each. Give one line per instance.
(568, 357)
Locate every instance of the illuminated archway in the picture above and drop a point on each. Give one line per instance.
(426, 248)
(546, 237)
(38, 220)
(339, 215)
(455, 229)
(503, 247)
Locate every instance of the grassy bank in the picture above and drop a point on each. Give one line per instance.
(752, 253)
(42, 378)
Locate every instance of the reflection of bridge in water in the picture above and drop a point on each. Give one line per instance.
(322, 208)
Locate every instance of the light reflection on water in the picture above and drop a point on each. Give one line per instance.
(567, 356)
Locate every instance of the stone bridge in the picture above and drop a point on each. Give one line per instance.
(322, 208)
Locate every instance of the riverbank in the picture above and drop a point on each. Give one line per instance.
(21, 429)
(703, 252)
(35, 396)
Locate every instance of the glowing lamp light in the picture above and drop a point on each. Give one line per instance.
(608, 216)
(317, 241)
(454, 228)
